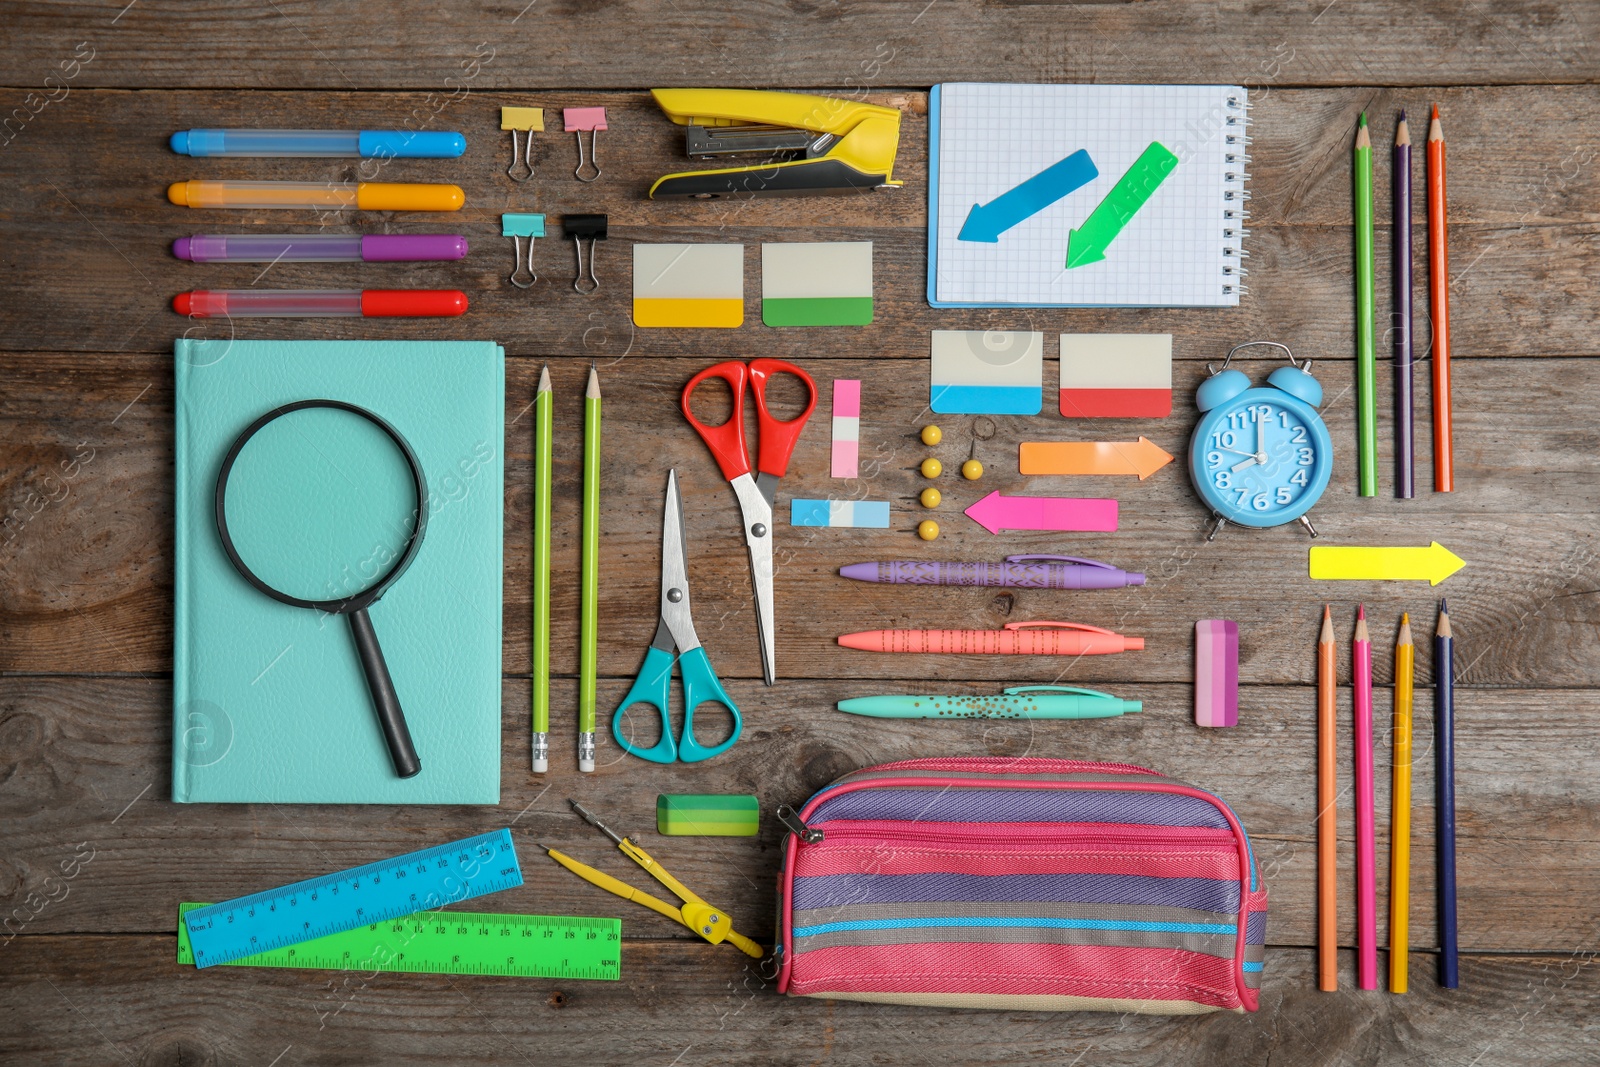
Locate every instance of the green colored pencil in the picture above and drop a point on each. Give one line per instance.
(543, 422)
(1366, 369)
(588, 652)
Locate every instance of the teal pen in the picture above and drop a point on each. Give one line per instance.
(1018, 702)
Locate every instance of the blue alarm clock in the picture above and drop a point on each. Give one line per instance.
(1260, 457)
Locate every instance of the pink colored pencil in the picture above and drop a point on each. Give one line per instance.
(1366, 849)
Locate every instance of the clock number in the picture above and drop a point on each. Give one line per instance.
(1244, 494)
(1228, 439)
(1224, 479)
(1299, 437)
(1298, 478)
(1307, 457)
(1284, 416)
(1285, 494)
(1214, 458)
(1261, 502)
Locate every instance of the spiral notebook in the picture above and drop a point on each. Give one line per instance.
(1158, 203)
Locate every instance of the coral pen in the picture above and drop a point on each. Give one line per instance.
(320, 303)
(1366, 849)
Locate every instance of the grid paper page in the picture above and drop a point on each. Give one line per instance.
(1172, 253)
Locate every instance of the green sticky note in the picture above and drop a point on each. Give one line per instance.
(707, 815)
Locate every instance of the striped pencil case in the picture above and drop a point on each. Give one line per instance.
(1036, 884)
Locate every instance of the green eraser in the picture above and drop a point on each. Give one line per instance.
(707, 815)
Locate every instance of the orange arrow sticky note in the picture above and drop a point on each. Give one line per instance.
(1142, 457)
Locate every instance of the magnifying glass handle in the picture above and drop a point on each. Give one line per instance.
(391, 720)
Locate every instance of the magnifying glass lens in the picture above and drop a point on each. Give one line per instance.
(320, 504)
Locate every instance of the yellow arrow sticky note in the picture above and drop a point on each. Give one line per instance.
(1432, 564)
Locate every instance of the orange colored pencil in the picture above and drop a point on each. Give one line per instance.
(1444, 468)
(1327, 812)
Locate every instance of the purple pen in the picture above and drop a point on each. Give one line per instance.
(1021, 572)
(319, 247)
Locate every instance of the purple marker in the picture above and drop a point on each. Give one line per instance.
(1052, 572)
(319, 247)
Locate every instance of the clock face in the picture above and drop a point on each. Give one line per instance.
(1261, 459)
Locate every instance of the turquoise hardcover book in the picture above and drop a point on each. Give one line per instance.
(270, 700)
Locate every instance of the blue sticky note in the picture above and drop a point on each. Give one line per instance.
(841, 514)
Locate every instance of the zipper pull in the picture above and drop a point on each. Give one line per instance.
(792, 822)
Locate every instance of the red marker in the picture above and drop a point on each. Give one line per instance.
(320, 303)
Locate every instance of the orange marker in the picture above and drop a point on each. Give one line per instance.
(1142, 457)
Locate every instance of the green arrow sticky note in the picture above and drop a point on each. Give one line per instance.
(1088, 243)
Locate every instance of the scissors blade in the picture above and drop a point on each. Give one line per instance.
(675, 613)
(757, 512)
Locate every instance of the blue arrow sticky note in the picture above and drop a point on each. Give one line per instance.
(986, 222)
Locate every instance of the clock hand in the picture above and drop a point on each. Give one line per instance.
(1235, 451)
(1251, 462)
(1261, 439)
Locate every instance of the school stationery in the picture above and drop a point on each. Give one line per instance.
(1017, 702)
(583, 228)
(517, 227)
(1444, 470)
(270, 703)
(1366, 861)
(688, 285)
(531, 120)
(543, 448)
(1022, 572)
(577, 121)
(1400, 813)
(756, 487)
(995, 513)
(1087, 195)
(675, 634)
(1400, 325)
(1020, 884)
(843, 146)
(367, 144)
(1116, 375)
(319, 247)
(986, 372)
(707, 815)
(1216, 672)
(589, 574)
(1327, 809)
(1366, 368)
(816, 283)
(333, 196)
(840, 514)
(452, 942)
(928, 530)
(1371, 563)
(1142, 457)
(711, 923)
(1014, 639)
(846, 428)
(1444, 740)
(321, 303)
(424, 880)
(1260, 457)
(290, 445)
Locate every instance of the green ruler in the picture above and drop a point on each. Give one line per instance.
(453, 942)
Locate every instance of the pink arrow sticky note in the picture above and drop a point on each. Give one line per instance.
(995, 513)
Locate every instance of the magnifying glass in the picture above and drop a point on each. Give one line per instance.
(322, 505)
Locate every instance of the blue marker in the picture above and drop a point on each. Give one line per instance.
(369, 144)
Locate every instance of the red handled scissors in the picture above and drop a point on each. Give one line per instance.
(775, 443)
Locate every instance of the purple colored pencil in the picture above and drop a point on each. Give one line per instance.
(1018, 572)
(1404, 485)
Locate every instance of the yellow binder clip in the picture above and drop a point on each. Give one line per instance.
(843, 146)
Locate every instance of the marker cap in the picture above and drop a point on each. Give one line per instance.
(402, 303)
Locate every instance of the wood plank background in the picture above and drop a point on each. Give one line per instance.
(86, 496)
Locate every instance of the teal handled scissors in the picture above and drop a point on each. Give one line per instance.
(675, 632)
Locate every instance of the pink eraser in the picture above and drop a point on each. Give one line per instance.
(584, 118)
(1216, 672)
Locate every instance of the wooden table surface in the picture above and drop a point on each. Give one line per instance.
(86, 453)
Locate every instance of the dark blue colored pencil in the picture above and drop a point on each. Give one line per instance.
(1444, 742)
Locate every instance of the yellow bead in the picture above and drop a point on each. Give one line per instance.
(932, 435)
(972, 470)
(927, 529)
(932, 468)
(930, 497)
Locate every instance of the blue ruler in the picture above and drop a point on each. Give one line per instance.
(361, 896)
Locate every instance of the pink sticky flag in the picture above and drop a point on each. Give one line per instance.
(584, 118)
(846, 427)
(1216, 672)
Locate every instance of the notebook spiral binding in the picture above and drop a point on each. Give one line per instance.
(1237, 139)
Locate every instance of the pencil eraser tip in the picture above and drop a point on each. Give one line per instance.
(182, 303)
(180, 248)
(540, 766)
(586, 766)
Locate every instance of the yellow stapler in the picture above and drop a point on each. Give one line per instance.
(845, 146)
